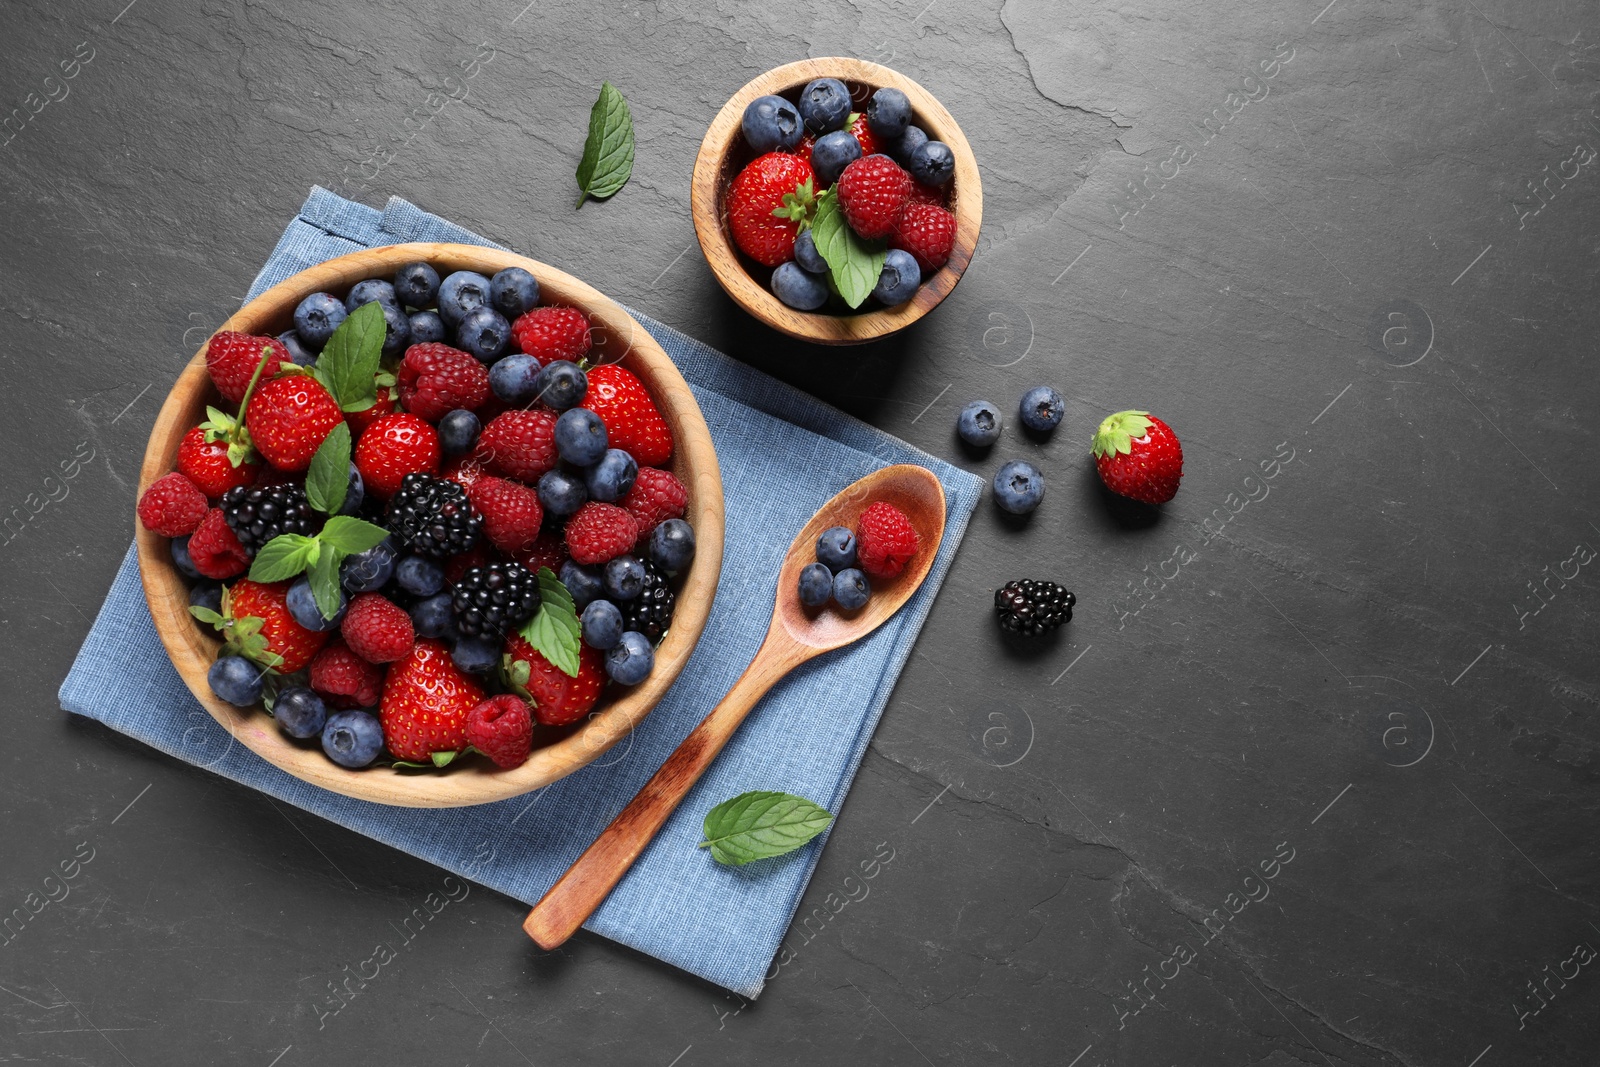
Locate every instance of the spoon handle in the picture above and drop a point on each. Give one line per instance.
(590, 880)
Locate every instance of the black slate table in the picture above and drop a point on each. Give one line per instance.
(1310, 779)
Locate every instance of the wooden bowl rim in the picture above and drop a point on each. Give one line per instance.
(475, 781)
(724, 258)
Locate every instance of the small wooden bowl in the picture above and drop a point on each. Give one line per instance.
(557, 753)
(724, 153)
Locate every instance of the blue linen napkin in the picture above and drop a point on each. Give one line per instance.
(806, 737)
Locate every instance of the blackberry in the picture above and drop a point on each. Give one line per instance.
(650, 613)
(434, 516)
(494, 598)
(258, 513)
(1030, 607)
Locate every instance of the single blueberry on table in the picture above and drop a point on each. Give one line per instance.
(419, 576)
(888, 113)
(806, 254)
(303, 607)
(612, 478)
(397, 329)
(979, 424)
(624, 578)
(475, 655)
(434, 616)
(458, 432)
(416, 285)
(368, 291)
(850, 589)
(513, 291)
(485, 333)
(672, 545)
(584, 583)
(836, 548)
(236, 680)
(299, 354)
(352, 738)
(899, 279)
(816, 585)
(901, 148)
(181, 558)
(206, 594)
(1041, 409)
(427, 328)
(580, 437)
(1018, 487)
(355, 492)
(561, 493)
(632, 660)
(932, 163)
(831, 154)
(365, 571)
(300, 712)
(317, 316)
(825, 105)
(602, 624)
(799, 288)
(514, 379)
(561, 385)
(461, 294)
(771, 123)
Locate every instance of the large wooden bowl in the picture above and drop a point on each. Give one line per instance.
(724, 153)
(618, 338)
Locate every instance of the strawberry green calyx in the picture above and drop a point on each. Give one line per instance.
(1118, 432)
(242, 636)
(220, 426)
(798, 205)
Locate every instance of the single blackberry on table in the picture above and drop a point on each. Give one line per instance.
(434, 516)
(650, 613)
(1030, 607)
(494, 598)
(258, 513)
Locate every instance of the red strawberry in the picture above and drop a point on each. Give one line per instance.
(436, 379)
(345, 680)
(359, 421)
(207, 465)
(173, 506)
(559, 700)
(872, 191)
(511, 512)
(231, 359)
(285, 637)
(600, 532)
(776, 182)
(425, 704)
(885, 540)
(521, 444)
(655, 497)
(377, 629)
(548, 550)
(1138, 456)
(632, 422)
(394, 446)
(502, 729)
(551, 333)
(928, 233)
(215, 549)
(863, 134)
(288, 417)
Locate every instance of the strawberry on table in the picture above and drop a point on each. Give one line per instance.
(425, 704)
(231, 359)
(633, 423)
(558, 699)
(872, 192)
(288, 417)
(394, 446)
(776, 182)
(1138, 456)
(208, 466)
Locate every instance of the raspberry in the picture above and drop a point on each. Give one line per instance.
(551, 333)
(885, 539)
(519, 444)
(872, 191)
(206, 464)
(377, 629)
(173, 506)
(548, 550)
(511, 512)
(502, 729)
(928, 233)
(344, 679)
(655, 497)
(231, 359)
(436, 379)
(599, 532)
(394, 446)
(216, 552)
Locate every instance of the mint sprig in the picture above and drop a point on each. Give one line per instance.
(348, 365)
(290, 554)
(607, 161)
(241, 636)
(854, 264)
(554, 631)
(328, 479)
(759, 825)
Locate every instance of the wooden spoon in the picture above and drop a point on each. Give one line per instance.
(796, 635)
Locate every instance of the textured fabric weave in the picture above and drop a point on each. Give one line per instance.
(806, 737)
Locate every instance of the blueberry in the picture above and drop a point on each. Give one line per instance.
(397, 329)
(461, 294)
(979, 424)
(612, 478)
(771, 122)
(850, 589)
(584, 583)
(181, 558)
(900, 149)
(1018, 487)
(836, 548)
(562, 384)
(354, 493)
(368, 291)
(369, 570)
(624, 578)
(485, 333)
(419, 576)
(888, 113)
(580, 437)
(799, 288)
(602, 625)
(206, 594)
(832, 153)
(476, 655)
(458, 432)
(1041, 409)
(300, 712)
(303, 607)
(513, 291)
(816, 585)
(236, 680)
(899, 279)
(825, 105)
(352, 738)
(317, 317)
(427, 328)
(672, 545)
(632, 660)
(514, 379)
(434, 617)
(416, 285)
(298, 352)
(932, 163)
(561, 493)
(806, 254)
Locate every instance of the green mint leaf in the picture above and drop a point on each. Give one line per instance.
(755, 826)
(350, 535)
(282, 557)
(329, 476)
(350, 358)
(853, 264)
(418, 766)
(206, 615)
(442, 759)
(325, 581)
(608, 152)
(553, 631)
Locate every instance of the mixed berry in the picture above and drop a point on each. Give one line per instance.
(404, 503)
(848, 561)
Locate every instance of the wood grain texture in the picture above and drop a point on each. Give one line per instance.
(723, 154)
(796, 635)
(617, 338)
